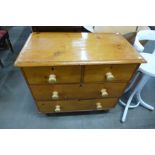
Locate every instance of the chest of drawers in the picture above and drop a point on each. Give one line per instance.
(71, 72)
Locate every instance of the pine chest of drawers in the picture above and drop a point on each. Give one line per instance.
(71, 72)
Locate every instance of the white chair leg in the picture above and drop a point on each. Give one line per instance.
(128, 88)
(131, 106)
(132, 82)
(137, 92)
(144, 104)
(128, 105)
(144, 80)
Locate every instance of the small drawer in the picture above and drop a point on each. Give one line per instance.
(76, 91)
(75, 105)
(51, 75)
(109, 73)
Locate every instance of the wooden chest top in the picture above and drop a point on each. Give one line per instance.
(58, 48)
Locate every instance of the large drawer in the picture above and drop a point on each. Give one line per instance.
(76, 105)
(76, 91)
(106, 73)
(63, 74)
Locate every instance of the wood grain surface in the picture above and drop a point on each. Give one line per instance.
(75, 105)
(76, 91)
(58, 48)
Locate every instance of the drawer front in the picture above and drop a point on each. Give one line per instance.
(76, 105)
(76, 91)
(63, 74)
(100, 73)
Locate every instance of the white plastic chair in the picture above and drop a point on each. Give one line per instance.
(146, 71)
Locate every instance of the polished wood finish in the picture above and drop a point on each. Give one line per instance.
(64, 74)
(97, 73)
(55, 49)
(77, 91)
(72, 74)
(75, 105)
(77, 71)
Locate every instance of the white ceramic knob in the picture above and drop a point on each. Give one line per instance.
(52, 78)
(55, 95)
(98, 106)
(104, 92)
(57, 108)
(109, 76)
